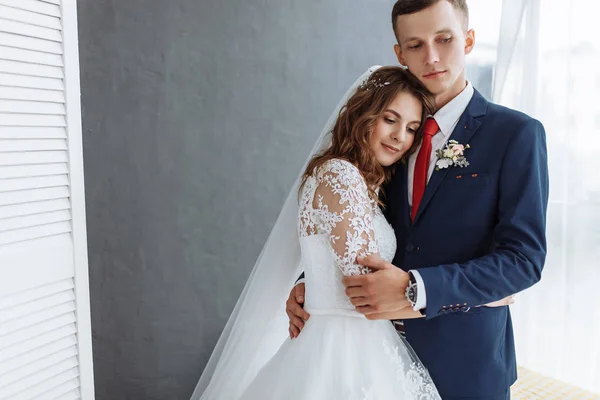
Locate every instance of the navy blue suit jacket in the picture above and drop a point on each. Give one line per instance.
(478, 236)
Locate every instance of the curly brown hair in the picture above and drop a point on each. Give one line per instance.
(357, 120)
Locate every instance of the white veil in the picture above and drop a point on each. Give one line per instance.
(258, 325)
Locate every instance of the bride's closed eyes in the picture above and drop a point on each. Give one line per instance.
(412, 127)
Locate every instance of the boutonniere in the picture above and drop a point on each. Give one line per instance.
(451, 156)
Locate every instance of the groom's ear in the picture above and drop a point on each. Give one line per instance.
(399, 55)
(469, 41)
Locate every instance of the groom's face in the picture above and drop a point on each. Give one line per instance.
(433, 44)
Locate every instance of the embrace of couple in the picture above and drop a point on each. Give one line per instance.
(422, 209)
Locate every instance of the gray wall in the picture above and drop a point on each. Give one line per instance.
(197, 116)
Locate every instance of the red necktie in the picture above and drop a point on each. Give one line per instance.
(420, 178)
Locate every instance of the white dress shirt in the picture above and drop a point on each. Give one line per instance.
(447, 118)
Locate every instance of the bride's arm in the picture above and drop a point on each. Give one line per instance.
(345, 212)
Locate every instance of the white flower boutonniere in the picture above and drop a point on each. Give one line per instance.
(451, 156)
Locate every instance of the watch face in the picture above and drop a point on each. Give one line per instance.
(411, 293)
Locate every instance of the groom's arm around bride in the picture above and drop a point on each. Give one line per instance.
(513, 264)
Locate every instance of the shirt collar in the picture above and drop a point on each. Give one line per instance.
(448, 116)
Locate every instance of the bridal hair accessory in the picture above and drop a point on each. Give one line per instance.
(373, 84)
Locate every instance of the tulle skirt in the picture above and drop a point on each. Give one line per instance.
(341, 357)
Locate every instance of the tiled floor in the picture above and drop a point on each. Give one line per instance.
(533, 386)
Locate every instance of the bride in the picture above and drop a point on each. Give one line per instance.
(340, 354)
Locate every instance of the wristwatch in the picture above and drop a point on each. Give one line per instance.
(411, 290)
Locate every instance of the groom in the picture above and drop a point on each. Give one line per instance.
(467, 235)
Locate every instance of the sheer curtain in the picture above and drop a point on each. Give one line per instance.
(548, 65)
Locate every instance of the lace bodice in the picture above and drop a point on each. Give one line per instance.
(337, 222)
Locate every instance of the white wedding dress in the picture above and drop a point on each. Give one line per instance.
(341, 355)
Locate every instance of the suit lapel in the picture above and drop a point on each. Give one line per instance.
(405, 205)
(464, 131)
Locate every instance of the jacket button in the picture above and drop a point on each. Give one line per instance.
(410, 247)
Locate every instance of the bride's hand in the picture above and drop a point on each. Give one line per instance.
(501, 303)
(405, 313)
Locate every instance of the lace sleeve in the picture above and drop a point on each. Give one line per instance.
(345, 212)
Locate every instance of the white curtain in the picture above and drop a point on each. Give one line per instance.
(548, 65)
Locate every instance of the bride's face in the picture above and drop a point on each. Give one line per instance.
(395, 129)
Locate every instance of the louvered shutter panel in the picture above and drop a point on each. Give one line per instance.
(45, 334)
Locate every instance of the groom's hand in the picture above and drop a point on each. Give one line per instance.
(294, 310)
(380, 292)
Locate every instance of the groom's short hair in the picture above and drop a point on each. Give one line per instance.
(404, 7)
